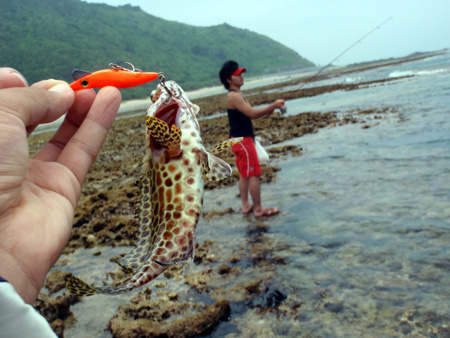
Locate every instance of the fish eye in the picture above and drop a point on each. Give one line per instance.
(85, 83)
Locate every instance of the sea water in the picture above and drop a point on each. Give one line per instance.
(361, 247)
(365, 214)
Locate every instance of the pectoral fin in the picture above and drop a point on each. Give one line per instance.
(173, 143)
(158, 129)
(168, 138)
(213, 168)
(225, 145)
(183, 254)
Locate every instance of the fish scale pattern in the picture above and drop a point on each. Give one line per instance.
(171, 192)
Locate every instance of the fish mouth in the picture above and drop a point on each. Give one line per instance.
(169, 114)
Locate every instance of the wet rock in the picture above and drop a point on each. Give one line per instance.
(173, 271)
(224, 269)
(167, 318)
(160, 284)
(335, 308)
(56, 311)
(58, 327)
(200, 281)
(90, 241)
(285, 150)
(211, 213)
(404, 328)
(204, 253)
(269, 298)
(253, 286)
(234, 259)
(56, 280)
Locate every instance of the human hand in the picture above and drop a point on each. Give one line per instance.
(38, 196)
(279, 104)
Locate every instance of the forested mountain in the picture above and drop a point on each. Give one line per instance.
(49, 38)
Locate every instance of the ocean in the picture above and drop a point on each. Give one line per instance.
(361, 247)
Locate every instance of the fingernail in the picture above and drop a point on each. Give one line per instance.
(61, 88)
(21, 77)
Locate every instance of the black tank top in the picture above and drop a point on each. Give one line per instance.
(240, 124)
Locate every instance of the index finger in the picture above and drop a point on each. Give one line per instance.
(34, 106)
(84, 146)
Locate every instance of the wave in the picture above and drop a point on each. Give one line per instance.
(352, 79)
(400, 73)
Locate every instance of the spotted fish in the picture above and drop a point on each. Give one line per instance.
(171, 190)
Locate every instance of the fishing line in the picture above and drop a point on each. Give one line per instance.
(345, 51)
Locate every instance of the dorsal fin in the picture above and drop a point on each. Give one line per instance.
(78, 74)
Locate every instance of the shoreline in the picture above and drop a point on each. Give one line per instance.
(213, 97)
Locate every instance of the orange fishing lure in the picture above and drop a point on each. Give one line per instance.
(115, 76)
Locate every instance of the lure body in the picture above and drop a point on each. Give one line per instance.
(115, 76)
(171, 191)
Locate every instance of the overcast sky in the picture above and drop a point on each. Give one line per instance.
(320, 30)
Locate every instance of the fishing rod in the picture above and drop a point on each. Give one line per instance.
(345, 51)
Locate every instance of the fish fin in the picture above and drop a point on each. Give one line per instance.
(158, 129)
(78, 74)
(139, 254)
(128, 269)
(173, 143)
(213, 168)
(175, 134)
(77, 287)
(225, 145)
(168, 138)
(183, 258)
(195, 108)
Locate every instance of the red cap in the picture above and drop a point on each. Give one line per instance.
(239, 71)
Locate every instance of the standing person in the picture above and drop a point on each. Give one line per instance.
(240, 116)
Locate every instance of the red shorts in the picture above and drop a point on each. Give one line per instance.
(246, 158)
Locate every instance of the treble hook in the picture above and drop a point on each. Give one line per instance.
(117, 67)
(162, 82)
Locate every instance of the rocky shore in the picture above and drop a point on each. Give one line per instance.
(104, 217)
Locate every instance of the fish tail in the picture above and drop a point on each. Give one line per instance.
(77, 287)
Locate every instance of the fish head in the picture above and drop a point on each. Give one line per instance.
(171, 112)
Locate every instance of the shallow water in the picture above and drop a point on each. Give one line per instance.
(362, 241)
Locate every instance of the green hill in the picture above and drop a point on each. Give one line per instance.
(49, 38)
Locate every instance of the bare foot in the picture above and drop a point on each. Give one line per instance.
(248, 209)
(266, 212)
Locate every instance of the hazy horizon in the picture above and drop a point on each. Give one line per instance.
(323, 29)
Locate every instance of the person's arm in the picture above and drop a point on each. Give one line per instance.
(237, 101)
